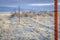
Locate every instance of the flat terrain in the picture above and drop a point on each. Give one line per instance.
(38, 27)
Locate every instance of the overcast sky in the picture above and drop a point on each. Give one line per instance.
(28, 4)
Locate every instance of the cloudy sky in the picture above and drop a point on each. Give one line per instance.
(9, 5)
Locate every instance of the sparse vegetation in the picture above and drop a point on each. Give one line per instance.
(32, 26)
